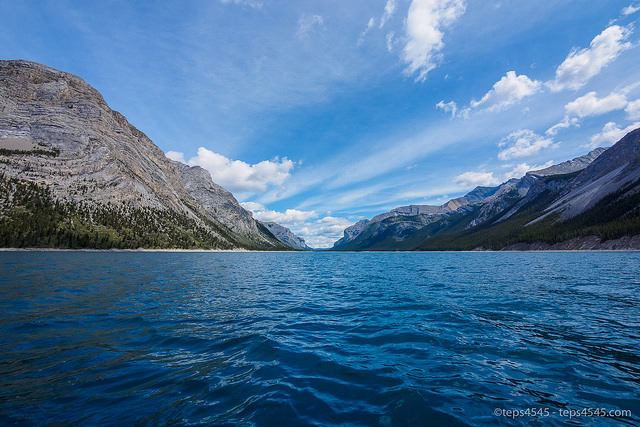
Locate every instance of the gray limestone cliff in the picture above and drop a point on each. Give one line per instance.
(58, 133)
(221, 205)
(286, 236)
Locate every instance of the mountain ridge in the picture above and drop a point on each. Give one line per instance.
(89, 168)
(596, 193)
(286, 236)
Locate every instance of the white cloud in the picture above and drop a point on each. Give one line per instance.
(449, 107)
(370, 25)
(507, 91)
(321, 233)
(380, 157)
(324, 232)
(253, 206)
(389, 10)
(250, 3)
(518, 171)
(581, 65)
(390, 36)
(424, 25)
(611, 134)
(176, 156)
(522, 143)
(633, 110)
(474, 179)
(307, 22)
(587, 106)
(590, 105)
(238, 176)
(630, 10)
(564, 124)
(510, 89)
(289, 218)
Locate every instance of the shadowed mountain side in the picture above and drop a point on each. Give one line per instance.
(286, 236)
(591, 202)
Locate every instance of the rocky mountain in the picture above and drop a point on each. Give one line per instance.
(75, 173)
(221, 205)
(616, 170)
(591, 202)
(286, 236)
(570, 166)
(402, 222)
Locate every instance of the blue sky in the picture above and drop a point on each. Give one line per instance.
(316, 114)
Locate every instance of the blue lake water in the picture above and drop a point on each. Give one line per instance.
(379, 339)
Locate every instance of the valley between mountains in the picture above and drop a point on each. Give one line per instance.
(76, 174)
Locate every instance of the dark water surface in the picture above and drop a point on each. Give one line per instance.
(380, 339)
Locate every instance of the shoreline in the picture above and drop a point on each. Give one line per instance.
(313, 251)
(122, 250)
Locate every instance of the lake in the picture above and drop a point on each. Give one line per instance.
(271, 339)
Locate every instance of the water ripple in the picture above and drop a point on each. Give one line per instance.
(356, 339)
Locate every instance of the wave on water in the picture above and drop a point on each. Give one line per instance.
(381, 339)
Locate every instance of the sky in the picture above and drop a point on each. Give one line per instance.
(319, 113)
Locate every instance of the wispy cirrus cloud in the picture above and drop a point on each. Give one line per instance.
(251, 3)
(390, 42)
(448, 107)
(370, 161)
(370, 25)
(306, 23)
(583, 64)
(522, 143)
(389, 10)
(425, 24)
